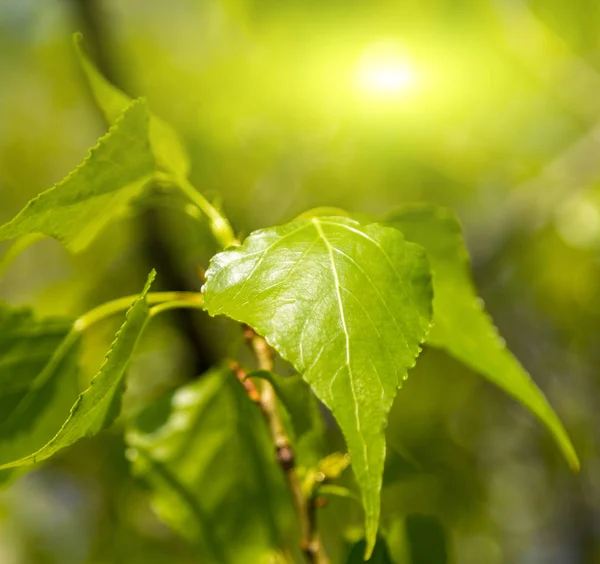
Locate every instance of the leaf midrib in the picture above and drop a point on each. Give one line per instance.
(329, 247)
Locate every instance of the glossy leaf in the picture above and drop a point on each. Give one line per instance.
(207, 456)
(38, 380)
(461, 325)
(348, 306)
(168, 149)
(78, 207)
(97, 407)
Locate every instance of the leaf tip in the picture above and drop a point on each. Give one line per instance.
(149, 281)
(369, 547)
(371, 528)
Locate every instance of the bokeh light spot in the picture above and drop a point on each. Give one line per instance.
(384, 71)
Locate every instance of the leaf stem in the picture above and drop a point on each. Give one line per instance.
(219, 224)
(165, 300)
(310, 541)
(17, 248)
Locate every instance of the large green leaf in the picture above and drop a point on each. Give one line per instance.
(97, 407)
(348, 306)
(461, 325)
(168, 149)
(77, 208)
(207, 456)
(38, 379)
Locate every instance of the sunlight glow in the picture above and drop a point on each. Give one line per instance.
(382, 71)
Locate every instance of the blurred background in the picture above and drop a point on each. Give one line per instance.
(491, 107)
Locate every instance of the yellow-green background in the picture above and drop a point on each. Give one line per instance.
(503, 125)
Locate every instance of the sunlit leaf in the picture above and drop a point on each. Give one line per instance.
(461, 325)
(210, 464)
(348, 306)
(97, 407)
(168, 149)
(79, 206)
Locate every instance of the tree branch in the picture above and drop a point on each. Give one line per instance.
(267, 400)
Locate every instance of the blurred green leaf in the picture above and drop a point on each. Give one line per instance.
(38, 380)
(21, 244)
(114, 172)
(207, 456)
(461, 325)
(426, 540)
(333, 465)
(338, 491)
(348, 306)
(98, 406)
(168, 150)
(380, 554)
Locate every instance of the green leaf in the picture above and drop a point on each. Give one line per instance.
(168, 149)
(38, 379)
(20, 245)
(338, 491)
(348, 306)
(97, 407)
(426, 539)
(77, 208)
(208, 458)
(380, 554)
(461, 325)
(333, 465)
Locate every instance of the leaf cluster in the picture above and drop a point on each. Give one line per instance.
(348, 302)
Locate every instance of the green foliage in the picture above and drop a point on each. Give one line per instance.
(348, 306)
(456, 304)
(97, 407)
(426, 539)
(380, 553)
(38, 380)
(233, 454)
(206, 456)
(77, 208)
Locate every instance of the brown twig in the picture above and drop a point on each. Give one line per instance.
(267, 400)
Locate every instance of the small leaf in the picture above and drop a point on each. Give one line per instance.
(348, 306)
(208, 459)
(168, 149)
(461, 325)
(97, 407)
(338, 491)
(333, 465)
(77, 208)
(38, 379)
